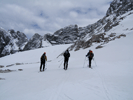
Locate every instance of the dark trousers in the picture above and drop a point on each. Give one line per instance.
(43, 66)
(90, 61)
(66, 63)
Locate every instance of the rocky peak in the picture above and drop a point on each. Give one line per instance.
(4, 37)
(36, 36)
(94, 33)
(4, 40)
(11, 42)
(120, 7)
(64, 35)
(17, 34)
(34, 42)
(67, 30)
(20, 37)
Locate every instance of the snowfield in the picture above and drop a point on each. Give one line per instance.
(111, 76)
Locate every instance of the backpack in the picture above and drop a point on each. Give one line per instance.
(67, 54)
(91, 54)
(43, 58)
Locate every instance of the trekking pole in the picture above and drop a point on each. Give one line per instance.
(95, 62)
(61, 64)
(84, 62)
(60, 60)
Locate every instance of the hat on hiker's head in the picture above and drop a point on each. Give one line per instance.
(90, 50)
(44, 52)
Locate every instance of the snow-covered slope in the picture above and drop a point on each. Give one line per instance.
(106, 30)
(110, 79)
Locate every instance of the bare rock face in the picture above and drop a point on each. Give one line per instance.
(34, 42)
(65, 35)
(100, 38)
(94, 33)
(11, 42)
(120, 7)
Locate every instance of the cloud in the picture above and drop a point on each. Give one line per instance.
(73, 14)
(47, 16)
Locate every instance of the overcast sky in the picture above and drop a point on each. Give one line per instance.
(47, 16)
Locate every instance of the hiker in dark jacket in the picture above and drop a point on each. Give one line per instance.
(90, 56)
(66, 58)
(43, 60)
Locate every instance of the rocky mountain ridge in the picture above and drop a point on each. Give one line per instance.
(11, 42)
(113, 17)
(64, 35)
(101, 31)
(120, 7)
(80, 37)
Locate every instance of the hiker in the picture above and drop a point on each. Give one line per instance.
(43, 59)
(90, 56)
(66, 58)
